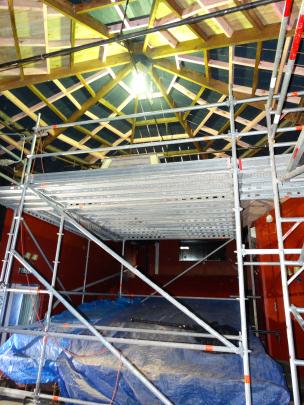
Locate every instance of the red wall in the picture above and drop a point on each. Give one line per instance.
(209, 279)
(73, 253)
(270, 279)
(215, 279)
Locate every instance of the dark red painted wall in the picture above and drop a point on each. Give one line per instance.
(271, 280)
(210, 279)
(215, 279)
(73, 253)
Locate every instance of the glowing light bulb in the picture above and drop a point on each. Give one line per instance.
(139, 85)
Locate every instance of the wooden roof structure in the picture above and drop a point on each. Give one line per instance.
(186, 65)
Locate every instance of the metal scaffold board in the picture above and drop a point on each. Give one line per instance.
(185, 200)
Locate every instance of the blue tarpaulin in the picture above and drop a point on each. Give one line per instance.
(85, 370)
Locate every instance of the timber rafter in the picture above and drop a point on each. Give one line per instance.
(184, 55)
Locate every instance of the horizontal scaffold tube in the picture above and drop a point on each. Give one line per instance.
(22, 394)
(270, 251)
(149, 385)
(134, 270)
(164, 143)
(165, 111)
(125, 341)
(106, 328)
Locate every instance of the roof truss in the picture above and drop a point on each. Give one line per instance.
(195, 64)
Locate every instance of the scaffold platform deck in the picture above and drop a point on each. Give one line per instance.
(184, 200)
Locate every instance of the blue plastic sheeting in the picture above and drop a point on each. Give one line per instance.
(85, 370)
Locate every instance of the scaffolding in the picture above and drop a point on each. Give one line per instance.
(53, 199)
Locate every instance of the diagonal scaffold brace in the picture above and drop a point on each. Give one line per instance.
(52, 203)
(94, 331)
